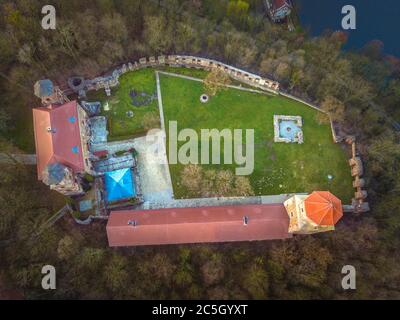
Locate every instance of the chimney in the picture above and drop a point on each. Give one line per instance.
(245, 220)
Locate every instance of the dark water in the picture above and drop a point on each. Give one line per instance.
(376, 19)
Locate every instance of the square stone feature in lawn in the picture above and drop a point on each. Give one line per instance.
(288, 129)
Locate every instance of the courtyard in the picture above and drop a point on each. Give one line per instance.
(125, 120)
(316, 164)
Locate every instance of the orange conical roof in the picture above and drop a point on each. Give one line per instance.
(323, 208)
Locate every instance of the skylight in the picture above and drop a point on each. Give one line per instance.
(75, 149)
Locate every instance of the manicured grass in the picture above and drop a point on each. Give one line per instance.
(119, 125)
(279, 167)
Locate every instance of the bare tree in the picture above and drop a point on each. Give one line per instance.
(215, 81)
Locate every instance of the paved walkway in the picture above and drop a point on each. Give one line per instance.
(153, 169)
(160, 104)
(218, 201)
(28, 159)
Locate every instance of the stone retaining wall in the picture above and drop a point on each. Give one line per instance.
(358, 203)
(112, 80)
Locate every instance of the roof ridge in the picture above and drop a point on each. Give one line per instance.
(194, 222)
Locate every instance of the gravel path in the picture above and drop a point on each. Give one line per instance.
(220, 201)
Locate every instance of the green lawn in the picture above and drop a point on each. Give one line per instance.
(279, 167)
(119, 125)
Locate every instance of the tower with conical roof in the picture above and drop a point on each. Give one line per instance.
(316, 212)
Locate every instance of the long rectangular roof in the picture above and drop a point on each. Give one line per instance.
(197, 225)
(57, 136)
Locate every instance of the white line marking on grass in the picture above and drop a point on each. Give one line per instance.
(160, 105)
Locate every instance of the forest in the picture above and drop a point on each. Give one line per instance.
(361, 89)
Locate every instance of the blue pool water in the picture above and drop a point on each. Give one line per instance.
(288, 129)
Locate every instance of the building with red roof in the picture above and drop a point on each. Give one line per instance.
(278, 9)
(300, 214)
(61, 140)
(198, 225)
(57, 136)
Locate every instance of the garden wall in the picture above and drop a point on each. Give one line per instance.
(111, 80)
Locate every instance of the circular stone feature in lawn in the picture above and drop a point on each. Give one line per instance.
(129, 113)
(76, 83)
(204, 98)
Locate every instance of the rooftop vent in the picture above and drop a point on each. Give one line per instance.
(245, 220)
(132, 223)
(51, 130)
(75, 149)
(71, 119)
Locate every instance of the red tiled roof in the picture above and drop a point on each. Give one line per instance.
(323, 208)
(100, 153)
(57, 136)
(196, 225)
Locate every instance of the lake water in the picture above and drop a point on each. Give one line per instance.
(376, 19)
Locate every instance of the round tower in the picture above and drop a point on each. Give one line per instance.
(316, 212)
